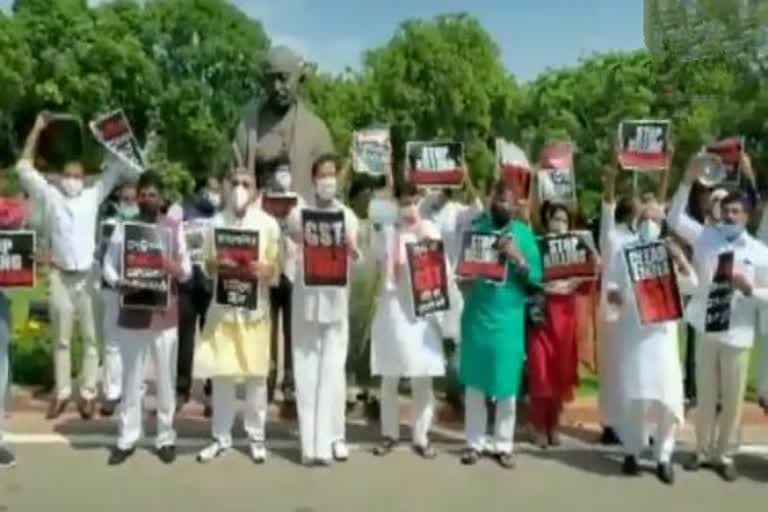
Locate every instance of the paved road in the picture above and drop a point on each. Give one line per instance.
(59, 477)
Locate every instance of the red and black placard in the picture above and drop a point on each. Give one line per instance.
(718, 315)
(18, 267)
(237, 287)
(729, 150)
(654, 283)
(143, 274)
(480, 257)
(326, 253)
(435, 164)
(428, 276)
(566, 256)
(644, 145)
(114, 131)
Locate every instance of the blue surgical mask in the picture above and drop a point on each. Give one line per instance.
(649, 230)
(730, 231)
(128, 210)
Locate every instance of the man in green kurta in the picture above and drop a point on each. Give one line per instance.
(493, 333)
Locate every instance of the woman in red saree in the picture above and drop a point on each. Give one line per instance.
(553, 358)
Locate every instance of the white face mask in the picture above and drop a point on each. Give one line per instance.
(283, 179)
(326, 188)
(558, 227)
(71, 186)
(239, 198)
(214, 198)
(649, 230)
(730, 231)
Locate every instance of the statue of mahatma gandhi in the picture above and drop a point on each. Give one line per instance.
(276, 130)
(280, 128)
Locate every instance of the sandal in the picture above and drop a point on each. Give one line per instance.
(428, 451)
(470, 457)
(506, 460)
(385, 448)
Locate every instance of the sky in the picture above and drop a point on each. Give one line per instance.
(533, 35)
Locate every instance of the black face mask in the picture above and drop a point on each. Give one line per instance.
(500, 216)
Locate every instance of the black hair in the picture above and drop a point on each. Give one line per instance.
(553, 208)
(625, 208)
(737, 196)
(150, 179)
(498, 188)
(407, 190)
(323, 159)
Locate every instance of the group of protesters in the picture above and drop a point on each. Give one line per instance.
(518, 330)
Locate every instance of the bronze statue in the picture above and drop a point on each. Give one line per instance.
(281, 127)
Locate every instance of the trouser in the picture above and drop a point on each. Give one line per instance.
(134, 345)
(689, 384)
(423, 408)
(476, 423)
(762, 368)
(721, 372)
(225, 408)
(636, 429)
(70, 296)
(194, 299)
(608, 399)
(319, 358)
(5, 341)
(112, 380)
(280, 311)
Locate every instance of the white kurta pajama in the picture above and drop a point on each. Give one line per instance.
(649, 377)
(234, 346)
(612, 238)
(320, 331)
(722, 358)
(159, 340)
(403, 345)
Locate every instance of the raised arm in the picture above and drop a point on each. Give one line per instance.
(114, 170)
(679, 220)
(31, 180)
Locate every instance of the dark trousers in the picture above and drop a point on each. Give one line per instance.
(689, 382)
(194, 298)
(280, 302)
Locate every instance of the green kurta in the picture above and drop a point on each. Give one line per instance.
(493, 322)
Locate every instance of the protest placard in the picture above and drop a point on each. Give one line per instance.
(435, 164)
(325, 248)
(18, 268)
(236, 287)
(427, 276)
(146, 283)
(654, 282)
(644, 145)
(480, 257)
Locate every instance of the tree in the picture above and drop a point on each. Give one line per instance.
(15, 72)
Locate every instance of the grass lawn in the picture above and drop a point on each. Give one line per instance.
(20, 299)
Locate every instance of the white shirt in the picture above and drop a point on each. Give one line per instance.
(613, 238)
(322, 304)
(71, 222)
(452, 220)
(750, 260)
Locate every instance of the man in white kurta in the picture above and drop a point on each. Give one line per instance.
(320, 328)
(649, 377)
(722, 355)
(235, 343)
(402, 344)
(142, 331)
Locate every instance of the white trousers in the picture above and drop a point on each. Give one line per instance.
(608, 398)
(476, 423)
(319, 358)
(721, 372)
(225, 408)
(71, 296)
(423, 408)
(107, 303)
(134, 346)
(635, 432)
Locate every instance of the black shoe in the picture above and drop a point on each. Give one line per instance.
(426, 452)
(694, 463)
(119, 456)
(609, 437)
(506, 460)
(666, 472)
(7, 460)
(727, 471)
(630, 466)
(207, 411)
(470, 457)
(108, 408)
(167, 454)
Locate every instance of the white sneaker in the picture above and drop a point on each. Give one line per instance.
(210, 452)
(258, 452)
(340, 450)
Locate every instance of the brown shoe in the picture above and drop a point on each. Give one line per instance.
(56, 408)
(87, 408)
(108, 408)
